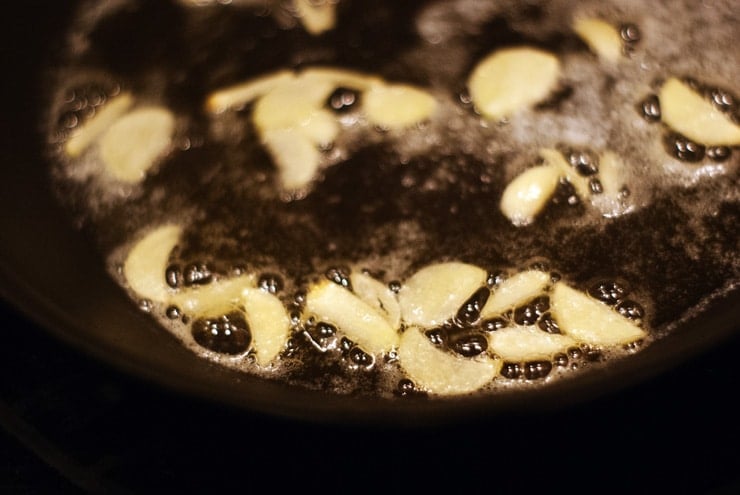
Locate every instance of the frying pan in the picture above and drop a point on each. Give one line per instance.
(50, 270)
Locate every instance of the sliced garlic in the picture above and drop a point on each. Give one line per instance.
(295, 155)
(321, 128)
(268, 321)
(590, 321)
(215, 299)
(515, 291)
(317, 17)
(146, 263)
(397, 106)
(603, 38)
(438, 372)
(611, 173)
(241, 94)
(358, 320)
(342, 77)
(579, 183)
(526, 195)
(512, 79)
(687, 112)
(97, 125)
(434, 294)
(291, 103)
(134, 142)
(378, 295)
(527, 343)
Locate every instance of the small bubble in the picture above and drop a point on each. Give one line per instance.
(608, 291)
(361, 358)
(343, 99)
(718, 153)
(469, 312)
(650, 108)
(394, 286)
(511, 371)
(324, 329)
(575, 353)
(493, 324)
(469, 344)
(270, 282)
(631, 309)
(683, 148)
(146, 305)
(173, 312)
(494, 278)
(197, 274)
(173, 276)
(548, 324)
(530, 312)
(595, 186)
(68, 120)
(228, 334)
(723, 100)
(560, 359)
(339, 276)
(535, 370)
(437, 336)
(585, 163)
(630, 33)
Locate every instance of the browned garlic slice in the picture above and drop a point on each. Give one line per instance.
(134, 142)
(378, 295)
(439, 372)
(526, 195)
(398, 106)
(146, 263)
(269, 323)
(527, 343)
(603, 38)
(515, 291)
(91, 130)
(317, 16)
(358, 320)
(589, 321)
(512, 79)
(687, 112)
(434, 294)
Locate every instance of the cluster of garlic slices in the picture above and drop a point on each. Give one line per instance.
(288, 110)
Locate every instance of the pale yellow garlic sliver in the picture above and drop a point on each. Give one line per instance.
(527, 343)
(397, 106)
(321, 128)
(240, 94)
(269, 323)
(688, 113)
(434, 294)
(339, 77)
(91, 130)
(529, 192)
(146, 263)
(555, 158)
(352, 316)
(512, 79)
(589, 321)
(611, 173)
(291, 103)
(215, 299)
(378, 295)
(601, 37)
(295, 155)
(438, 372)
(515, 291)
(317, 17)
(135, 141)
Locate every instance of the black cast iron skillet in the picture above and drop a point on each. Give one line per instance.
(50, 271)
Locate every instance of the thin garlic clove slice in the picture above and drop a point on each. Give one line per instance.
(91, 130)
(295, 155)
(134, 142)
(268, 321)
(321, 128)
(611, 202)
(342, 77)
(397, 106)
(241, 94)
(601, 37)
(527, 343)
(215, 299)
(589, 321)
(355, 318)
(434, 294)
(317, 17)
(378, 295)
(512, 79)
(515, 291)
(526, 195)
(145, 266)
(291, 103)
(687, 112)
(556, 159)
(439, 372)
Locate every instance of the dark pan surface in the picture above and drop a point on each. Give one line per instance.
(49, 270)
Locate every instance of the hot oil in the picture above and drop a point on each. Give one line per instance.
(395, 202)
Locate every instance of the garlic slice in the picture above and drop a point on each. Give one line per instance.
(603, 38)
(377, 295)
(146, 263)
(556, 158)
(438, 372)
(527, 343)
(687, 112)
(589, 321)
(515, 291)
(398, 106)
(295, 155)
(84, 136)
(134, 142)
(317, 16)
(268, 321)
(291, 103)
(241, 94)
(512, 79)
(434, 294)
(215, 299)
(526, 195)
(358, 320)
